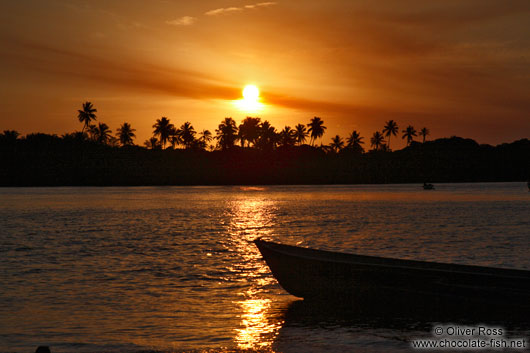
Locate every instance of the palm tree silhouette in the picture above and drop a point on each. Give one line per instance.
(355, 141)
(9, 136)
(163, 129)
(113, 141)
(424, 132)
(102, 133)
(187, 134)
(391, 128)
(152, 143)
(409, 134)
(226, 133)
(287, 136)
(337, 143)
(377, 140)
(205, 135)
(300, 134)
(268, 137)
(175, 137)
(92, 131)
(126, 134)
(249, 131)
(76, 136)
(86, 115)
(316, 128)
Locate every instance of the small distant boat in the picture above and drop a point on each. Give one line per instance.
(427, 186)
(334, 276)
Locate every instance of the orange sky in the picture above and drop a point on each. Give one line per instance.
(457, 67)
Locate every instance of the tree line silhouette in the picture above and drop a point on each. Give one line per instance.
(252, 153)
(252, 132)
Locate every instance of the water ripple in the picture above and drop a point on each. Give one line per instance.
(172, 268)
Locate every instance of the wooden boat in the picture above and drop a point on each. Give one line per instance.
(427, 186)
(332, 276)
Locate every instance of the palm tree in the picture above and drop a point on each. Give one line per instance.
(391, 128)
(113, 141)
(226, 133)
(409, 133)
(205, 135)
(287, 137)
(249, 130)
(201, 143)
(102, 133)
(268, 137)
(377, 140)
(175, 137)
(316, 128)
(337, 143)
(424, 132)
(92, 131)
(187, 134)
(76, 136)
(9, 136)
(86, 115)
(126, 134)
(355, 141)
(152, 143)
(163, 129)
(300, 133)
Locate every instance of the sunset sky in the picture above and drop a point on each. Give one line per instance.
(457, 67)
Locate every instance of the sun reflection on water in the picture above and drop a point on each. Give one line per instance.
(252, 216)
(258, 330)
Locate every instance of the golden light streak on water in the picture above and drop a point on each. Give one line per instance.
(258, 331)
(253, 216)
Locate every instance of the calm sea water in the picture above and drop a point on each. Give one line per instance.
(171, 268)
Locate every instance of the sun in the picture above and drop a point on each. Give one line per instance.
(251, 93)
(251, 100)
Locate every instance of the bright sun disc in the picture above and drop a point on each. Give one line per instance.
(251, 101)
(251, 93)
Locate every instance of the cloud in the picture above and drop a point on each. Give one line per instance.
(268, 3)
(77, 67)
(225, 10)
(222, 11)
(260, 4)
(189, 20)
(182, 21)
(323, 107)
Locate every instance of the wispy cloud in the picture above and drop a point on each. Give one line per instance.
(260, 4)
(222, 10)
(226, 10)
(267, 3)
(75, 66)
(189, 20)
(182, 21)
(144, 77)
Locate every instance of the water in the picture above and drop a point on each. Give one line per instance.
(171, 268)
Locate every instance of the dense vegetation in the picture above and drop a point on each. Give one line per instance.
(253, 153)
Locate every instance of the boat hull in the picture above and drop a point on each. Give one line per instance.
(366, 280)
